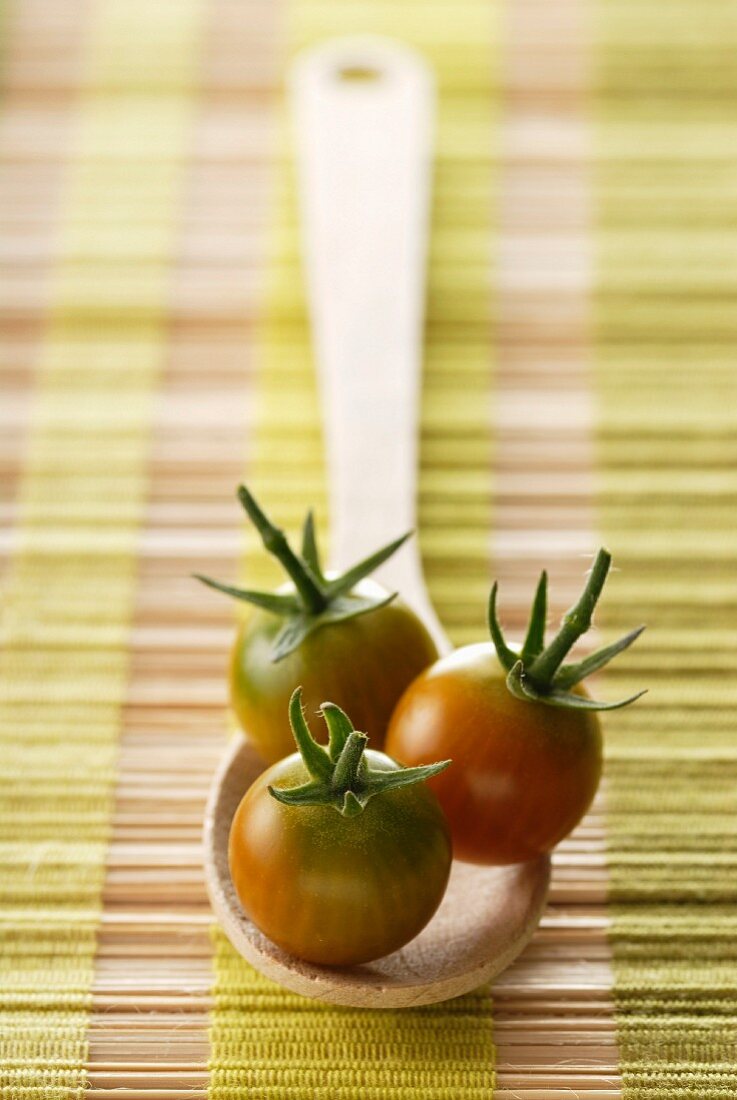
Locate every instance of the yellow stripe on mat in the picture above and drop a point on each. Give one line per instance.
(666, 335)
(264, 1041)
(69, 591)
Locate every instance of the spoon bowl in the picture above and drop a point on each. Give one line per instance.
(485, 919)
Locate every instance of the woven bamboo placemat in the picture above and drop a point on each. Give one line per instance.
(580, 386)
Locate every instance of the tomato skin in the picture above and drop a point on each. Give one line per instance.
(337, 890)
(363, 665)
(523, 774)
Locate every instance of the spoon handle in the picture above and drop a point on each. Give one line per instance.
(364, 110)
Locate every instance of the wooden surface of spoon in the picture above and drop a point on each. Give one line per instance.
(363, 110)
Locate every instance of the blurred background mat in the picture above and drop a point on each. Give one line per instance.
(580, 386)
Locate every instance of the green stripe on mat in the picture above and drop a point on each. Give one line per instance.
(68, 596)
(666, 332)
(266, 1042)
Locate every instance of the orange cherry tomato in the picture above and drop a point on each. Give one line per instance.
(522, 731)
(356, 865)
(523, 774)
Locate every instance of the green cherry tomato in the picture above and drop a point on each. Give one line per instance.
(341, 875)
(343, 637)
(522, 732)
(362, 664)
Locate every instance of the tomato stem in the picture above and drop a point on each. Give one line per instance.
(310, 552)
(276, 542)
(348, 765)
(576, 622)
(507, 657)
(317, 600)
(339, 726)
(316, 759)
(537, 674)
(534, 642)
(344, 779)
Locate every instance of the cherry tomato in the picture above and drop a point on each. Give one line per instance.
(362, 664)
(522, 732)
(523, 774)
(335, 881)
(342, 637)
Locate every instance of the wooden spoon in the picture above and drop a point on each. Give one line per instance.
(364, 118)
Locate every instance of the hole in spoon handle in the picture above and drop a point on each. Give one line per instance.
(363, 113)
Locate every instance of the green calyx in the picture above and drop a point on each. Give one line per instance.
(536, 673)
(316, 601)
(340, 774)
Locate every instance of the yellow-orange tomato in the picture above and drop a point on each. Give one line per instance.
(523, 774)
(341, 636)
(363, 664)
(338, 890)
